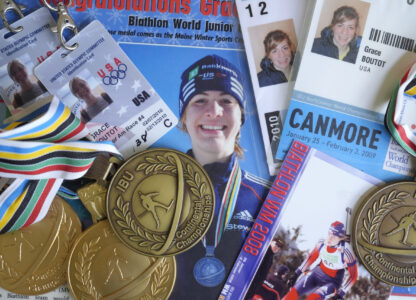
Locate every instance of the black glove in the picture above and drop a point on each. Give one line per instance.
(292, 277)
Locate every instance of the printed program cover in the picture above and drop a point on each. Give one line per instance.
(186, 48)
(287, 240)
(339, 100)
(272, 31)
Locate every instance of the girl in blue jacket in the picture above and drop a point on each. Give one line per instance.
(339, 40)
(277, 62)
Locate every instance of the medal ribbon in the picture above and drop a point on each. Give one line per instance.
(67, 194)
(29, 152)
(400, 118)
(228, 202)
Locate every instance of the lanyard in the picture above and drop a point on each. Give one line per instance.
(40, 154)
(228, 203)
(400, 118)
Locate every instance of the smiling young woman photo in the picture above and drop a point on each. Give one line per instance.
(277, 62)
(339, 40)
(211, 109)
(94, 104)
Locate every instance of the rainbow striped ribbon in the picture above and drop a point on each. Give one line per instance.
(40, 154)
(400, 118)
(228, 203)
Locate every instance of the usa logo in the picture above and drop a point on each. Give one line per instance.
(111, 74)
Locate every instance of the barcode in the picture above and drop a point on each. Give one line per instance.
(391, 39)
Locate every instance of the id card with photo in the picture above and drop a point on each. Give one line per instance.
(101, 86)
(271, 39)
(20, 53)
(354, 55)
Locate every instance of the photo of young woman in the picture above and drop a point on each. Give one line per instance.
(277, 62)
(94, 103)
(211, 109)
(29, 89)
(340, 39)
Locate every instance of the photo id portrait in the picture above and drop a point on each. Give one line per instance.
(274, 47)
(340, 29)
(19, 86)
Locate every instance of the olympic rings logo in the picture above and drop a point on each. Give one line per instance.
(116, 75)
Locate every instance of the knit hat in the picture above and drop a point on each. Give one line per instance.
(337, 229)
(211, 73)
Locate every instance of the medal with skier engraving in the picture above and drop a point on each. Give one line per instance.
(160, 202)
(102, 267)
(33, 259)
(384, 233)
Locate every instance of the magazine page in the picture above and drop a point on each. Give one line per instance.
(271, 37)
(292, 240)
(355, 53)
(192, 54)
(309, 232)
(247, 271)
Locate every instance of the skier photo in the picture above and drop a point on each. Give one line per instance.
(321, 275)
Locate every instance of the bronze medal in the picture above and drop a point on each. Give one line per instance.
(160, 202)
(33, 260)
(101, 267)
(384, 234)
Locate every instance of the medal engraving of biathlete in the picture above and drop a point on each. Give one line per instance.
(160, 202)
(33, 260)
(102, 267)
(384, 233)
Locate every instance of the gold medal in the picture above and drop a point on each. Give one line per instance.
(160, 202)
(384, 234)
(101, 267)
(33, 260)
